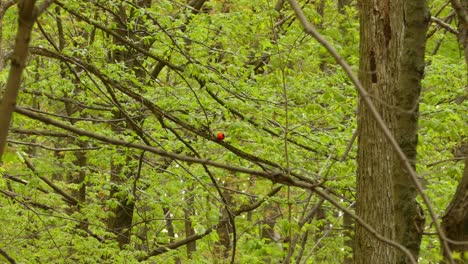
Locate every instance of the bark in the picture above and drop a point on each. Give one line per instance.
(391, 67)
(26, 19)
(77, 176)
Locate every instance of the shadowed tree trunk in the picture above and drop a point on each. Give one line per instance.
(189, 211)
(455, 220)
(121, 174)
(348, 225)
(391, 67)
(342, 4)
(120, 222)
(223, 245)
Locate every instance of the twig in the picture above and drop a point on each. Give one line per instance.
(445, 160)
(50, 148)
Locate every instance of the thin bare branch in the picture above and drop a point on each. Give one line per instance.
(25, 200)
(39, 132)
(50, 148)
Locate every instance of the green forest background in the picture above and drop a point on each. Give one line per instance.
(113, 157)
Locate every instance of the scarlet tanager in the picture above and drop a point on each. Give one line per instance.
(220, 136)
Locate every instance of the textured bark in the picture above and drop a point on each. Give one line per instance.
(391, 67)
(78, 175)
(374, 182)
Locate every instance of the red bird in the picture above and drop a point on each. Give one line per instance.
(220, 136)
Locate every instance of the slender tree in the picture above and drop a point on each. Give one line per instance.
(28, 14)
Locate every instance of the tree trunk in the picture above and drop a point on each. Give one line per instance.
(409, 216)
(26, 19)
(189, 211)
(348, 225)
(391, 67)
(455, 220)
(223, 245)
(268, 233)
(170, 228)
(120, 222)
